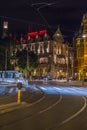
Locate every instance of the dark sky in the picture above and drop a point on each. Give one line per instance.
(29, 15)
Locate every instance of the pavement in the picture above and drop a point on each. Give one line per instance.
(11, 106)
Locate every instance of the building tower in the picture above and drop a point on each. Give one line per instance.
(85, 40)
(60, 60)
(81, 50)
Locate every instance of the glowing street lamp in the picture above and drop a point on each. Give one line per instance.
(5, 25)
(84, 35)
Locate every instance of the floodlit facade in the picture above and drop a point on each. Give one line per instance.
(81, 50)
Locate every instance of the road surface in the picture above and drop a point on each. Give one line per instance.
(59, 108)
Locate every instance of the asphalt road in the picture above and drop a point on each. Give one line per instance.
(50, 111)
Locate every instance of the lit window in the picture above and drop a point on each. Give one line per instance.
(43, 60)
(39, 51)
(48, 48)
(43, 51)
(55, 59)
(59, 50)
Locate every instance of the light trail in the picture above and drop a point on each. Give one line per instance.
(81, 91)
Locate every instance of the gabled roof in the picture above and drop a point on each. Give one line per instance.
(58, 35)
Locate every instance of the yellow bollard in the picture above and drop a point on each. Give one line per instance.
(19, 85)
(19, 96)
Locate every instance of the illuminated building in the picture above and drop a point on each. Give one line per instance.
(81, 50)
(53, 54)
(60, 56)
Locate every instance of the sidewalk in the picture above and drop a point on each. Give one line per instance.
(11, 106)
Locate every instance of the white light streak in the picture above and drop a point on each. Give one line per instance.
(81, 91)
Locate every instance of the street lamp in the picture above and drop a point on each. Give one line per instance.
(84, 35)
(5, 25)
(5, 29)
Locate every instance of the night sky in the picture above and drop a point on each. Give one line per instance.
(31, 15)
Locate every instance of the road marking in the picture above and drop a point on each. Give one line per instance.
(71, 117)
(36, 101)
(51, 105)
(76, 114)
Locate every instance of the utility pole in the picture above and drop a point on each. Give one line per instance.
(27, 63)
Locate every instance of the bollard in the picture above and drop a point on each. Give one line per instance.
(19, 85)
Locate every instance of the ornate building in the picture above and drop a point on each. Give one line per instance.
(60, 56)
(81, 50)
(53, 54)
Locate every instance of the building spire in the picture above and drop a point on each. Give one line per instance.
(83, 28)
